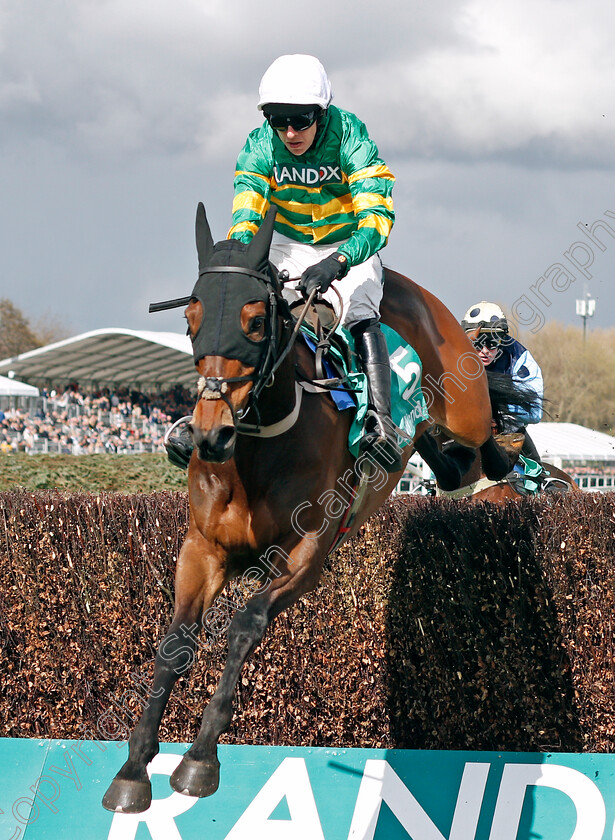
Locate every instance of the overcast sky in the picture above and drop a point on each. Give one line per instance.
(118, 116)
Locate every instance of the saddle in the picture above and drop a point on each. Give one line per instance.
(319, 325)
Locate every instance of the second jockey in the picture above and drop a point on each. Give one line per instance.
(487, 327)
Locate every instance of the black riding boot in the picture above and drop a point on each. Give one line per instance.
(178, 443)
(379, 439)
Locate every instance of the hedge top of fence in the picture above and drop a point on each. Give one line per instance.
(442, 625)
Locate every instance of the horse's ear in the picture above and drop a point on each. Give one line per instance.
(204, 239)
(258, 249)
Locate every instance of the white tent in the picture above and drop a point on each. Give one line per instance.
(569, 443)
(14, 388)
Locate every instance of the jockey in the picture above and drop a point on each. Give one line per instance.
(317, 164)
(487, 327)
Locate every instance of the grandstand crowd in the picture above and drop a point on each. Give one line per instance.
(109, 420)
(121, 420)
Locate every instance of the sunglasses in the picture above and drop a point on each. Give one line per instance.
(298, 122)
(487, 342)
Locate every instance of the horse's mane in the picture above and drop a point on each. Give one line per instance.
(505, 390)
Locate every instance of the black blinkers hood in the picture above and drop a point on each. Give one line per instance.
(223, 292)
(232, 274)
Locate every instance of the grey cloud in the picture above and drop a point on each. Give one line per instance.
(108, 79)
(118, 116)
(133, 75)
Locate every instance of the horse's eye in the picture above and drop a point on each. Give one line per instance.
(256, 328)
(254, 322)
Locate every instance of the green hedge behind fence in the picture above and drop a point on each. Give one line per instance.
(443, 625)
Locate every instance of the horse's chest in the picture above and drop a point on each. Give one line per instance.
(244, 508)
(234, 530)
(226, 520)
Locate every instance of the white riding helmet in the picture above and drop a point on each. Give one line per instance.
(485, 317)
(295, 80)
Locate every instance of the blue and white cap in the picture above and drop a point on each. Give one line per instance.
(485, 317)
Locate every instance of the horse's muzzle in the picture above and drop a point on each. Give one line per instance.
(215, 446)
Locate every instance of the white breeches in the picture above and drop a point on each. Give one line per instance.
(360, 289)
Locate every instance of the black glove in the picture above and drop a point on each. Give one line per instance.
(321, 275)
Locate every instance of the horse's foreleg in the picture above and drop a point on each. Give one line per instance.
(130, 791)
(447, 466)
(496, 463)
(198, 772)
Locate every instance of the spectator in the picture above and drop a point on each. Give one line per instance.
(81, 423)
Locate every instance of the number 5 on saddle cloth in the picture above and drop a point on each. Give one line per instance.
(408, 405)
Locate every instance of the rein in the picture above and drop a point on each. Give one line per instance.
(470, 489)
(216, 387)
(265, 371)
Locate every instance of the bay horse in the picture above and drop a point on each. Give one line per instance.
(265, 497)
(475, 485)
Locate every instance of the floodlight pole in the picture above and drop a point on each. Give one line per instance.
(586, 308)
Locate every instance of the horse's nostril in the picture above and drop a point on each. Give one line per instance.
(215, 445)
(226, 437)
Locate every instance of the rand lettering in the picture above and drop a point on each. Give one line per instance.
(307, 175)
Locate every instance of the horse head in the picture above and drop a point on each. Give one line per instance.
(232, 321)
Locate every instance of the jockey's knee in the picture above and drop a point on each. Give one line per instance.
(359, 327)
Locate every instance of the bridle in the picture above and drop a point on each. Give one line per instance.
(272, 354)
(216, 387)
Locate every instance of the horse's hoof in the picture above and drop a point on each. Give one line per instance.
(127, 796)
(196, 778)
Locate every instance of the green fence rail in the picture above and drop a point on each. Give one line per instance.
(52, 790)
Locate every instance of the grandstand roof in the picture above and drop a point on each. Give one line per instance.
(571, 442)
(137, 359)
